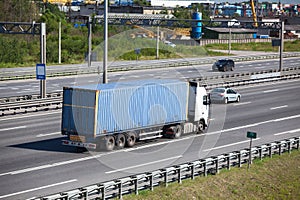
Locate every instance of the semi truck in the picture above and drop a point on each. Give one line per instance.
(118, 114)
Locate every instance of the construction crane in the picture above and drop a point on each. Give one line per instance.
(254, 17)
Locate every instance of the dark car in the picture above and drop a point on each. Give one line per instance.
(223, 65)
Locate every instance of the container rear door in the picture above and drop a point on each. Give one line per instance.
(78, 114)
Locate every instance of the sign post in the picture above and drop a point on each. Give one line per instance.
(251, 135)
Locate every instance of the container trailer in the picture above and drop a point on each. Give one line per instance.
(115, 115)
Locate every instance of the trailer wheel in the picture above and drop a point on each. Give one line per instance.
(177, 131)
(201, 127)
(109, 143)
(130, 139)
(120, 141)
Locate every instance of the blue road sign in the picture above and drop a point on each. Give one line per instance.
(41, 71)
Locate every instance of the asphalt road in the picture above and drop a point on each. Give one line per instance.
(27, 87)
(34, 163)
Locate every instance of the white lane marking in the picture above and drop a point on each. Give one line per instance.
(38, 188)
(241, 103)
(228, 145)
(26, 115)
(141, 165)
(287, 132)
(141, 147)
(160, 143)
(52, 165)
(252, 125)
(269, 91)
(48, 134)
(279, 107)
(286, 118)
(13, 128)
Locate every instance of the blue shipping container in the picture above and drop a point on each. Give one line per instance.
(122, 106)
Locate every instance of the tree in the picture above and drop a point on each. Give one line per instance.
(18, 11)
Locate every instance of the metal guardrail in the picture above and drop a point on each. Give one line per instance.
(147, 66)
(30, 106)
(30, 103)
(203, 167)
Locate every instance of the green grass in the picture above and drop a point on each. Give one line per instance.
(271, 178)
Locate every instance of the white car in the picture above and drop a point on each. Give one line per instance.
(225, 95)
(170, 44)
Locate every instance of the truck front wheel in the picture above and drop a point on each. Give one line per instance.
(201, 127)
(177, 131)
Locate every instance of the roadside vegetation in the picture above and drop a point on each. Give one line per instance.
(271, 178)
(23, 50)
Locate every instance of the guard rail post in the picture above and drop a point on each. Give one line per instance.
(165, 175)
(270, 150)
(298, 143)
(289, 146)
(119, 185)
(192, 167)
(179, 174)
(204, 164)
(279, 147)
(150, 177)
(240, 158)
(101, 189)
(135, 182)
(217, 164)
(228, 161)
(260, 153)
(83, 193)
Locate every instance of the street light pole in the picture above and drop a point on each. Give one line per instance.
(229, 41)
(105, 41)
(281, 46)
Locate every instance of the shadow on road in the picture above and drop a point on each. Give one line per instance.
(48, 145)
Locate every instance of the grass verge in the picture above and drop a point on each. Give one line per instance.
(271, 178)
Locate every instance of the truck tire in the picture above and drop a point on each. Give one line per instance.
(109, 143)
(177, 131)
(201, 127)
(120, 141)
(130, 139)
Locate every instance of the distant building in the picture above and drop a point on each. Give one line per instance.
(224, 33)
(183, 3)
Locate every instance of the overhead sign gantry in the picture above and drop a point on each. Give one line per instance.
(29, 29)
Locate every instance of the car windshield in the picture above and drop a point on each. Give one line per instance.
(222, 61)
(218, 90)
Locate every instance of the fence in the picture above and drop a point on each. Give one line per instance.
(202, 167)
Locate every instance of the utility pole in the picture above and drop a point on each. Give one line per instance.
(157, 43)
(281, 45)
(59, 42)
(89, 40)
(105, 41)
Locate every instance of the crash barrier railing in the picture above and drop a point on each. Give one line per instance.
(29, 103)
(28, 97)
(178, 63)
(30, 106)
(203, 167)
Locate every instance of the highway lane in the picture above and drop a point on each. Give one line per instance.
(33, 162)
(26, 87)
